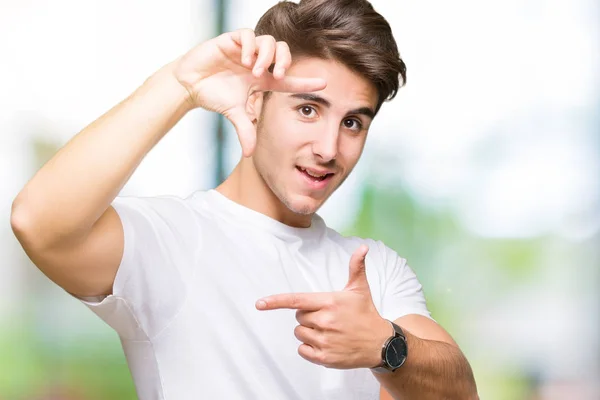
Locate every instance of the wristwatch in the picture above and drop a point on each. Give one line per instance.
(393, 352)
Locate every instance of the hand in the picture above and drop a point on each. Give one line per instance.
(340, 329)
(221, 73)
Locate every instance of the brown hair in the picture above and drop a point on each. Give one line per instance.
(348, 31)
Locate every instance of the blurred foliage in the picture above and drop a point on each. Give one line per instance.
(43, 150)
(33, 369)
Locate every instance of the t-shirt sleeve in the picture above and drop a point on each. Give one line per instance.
(157, 266)
(402, 293)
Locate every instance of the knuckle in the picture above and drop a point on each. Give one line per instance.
(266, 39)
(322, 357)
(245, 31)
(283, 45)
(327, 321)
(295, 301)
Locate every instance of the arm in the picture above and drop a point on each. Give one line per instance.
(63, 218)
(434, 369)
(344, 330)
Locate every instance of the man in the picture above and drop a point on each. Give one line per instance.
(242, 292)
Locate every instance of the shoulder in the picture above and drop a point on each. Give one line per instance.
(169, 220)
(381, 258)
(379, 253)
(161, 208)
(160, 205)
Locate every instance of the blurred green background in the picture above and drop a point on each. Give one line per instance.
(483, 173)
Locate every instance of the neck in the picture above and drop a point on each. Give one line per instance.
(246, 187)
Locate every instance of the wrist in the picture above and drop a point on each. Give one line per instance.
(170, 88)
(393, 352)
(383, 332)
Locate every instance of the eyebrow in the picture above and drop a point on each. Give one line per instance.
(367, 111)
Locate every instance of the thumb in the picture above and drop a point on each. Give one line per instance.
(245, 130)
(357, 279)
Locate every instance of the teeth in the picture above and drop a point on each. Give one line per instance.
(311, 174)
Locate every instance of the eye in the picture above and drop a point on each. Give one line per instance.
(307, 111)
(352, 123)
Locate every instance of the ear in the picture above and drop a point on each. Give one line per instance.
(254, 106)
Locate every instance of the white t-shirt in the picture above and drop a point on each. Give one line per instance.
(184, 295)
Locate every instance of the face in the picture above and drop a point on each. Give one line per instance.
(308, 143)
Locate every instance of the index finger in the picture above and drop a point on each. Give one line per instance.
(295, 301)
(294, 84)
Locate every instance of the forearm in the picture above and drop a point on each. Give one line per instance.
(74, 188)
(433, 370)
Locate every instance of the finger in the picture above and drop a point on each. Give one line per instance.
(357, 277)
(298, 301)
(248, 42)
(266, 53)
(306, 318)
(283, 59)
(245, 39)
(293, 84)
(308, 352)
(245, 130)
(307, 335)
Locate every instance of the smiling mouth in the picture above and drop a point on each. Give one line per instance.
(313, 176)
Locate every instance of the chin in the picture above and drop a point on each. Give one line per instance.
(301, 204)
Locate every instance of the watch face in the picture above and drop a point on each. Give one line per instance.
(396, 352)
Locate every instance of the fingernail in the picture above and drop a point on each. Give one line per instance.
(261, 304)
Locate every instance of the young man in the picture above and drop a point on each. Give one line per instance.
(242, 292)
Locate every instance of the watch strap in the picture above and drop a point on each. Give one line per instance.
(384, 367)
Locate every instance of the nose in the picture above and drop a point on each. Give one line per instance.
(325, 146)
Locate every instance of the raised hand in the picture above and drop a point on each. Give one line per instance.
(339, 329)
(221, 73)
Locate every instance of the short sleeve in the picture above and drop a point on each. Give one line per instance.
(402, 293)
(151, 285)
